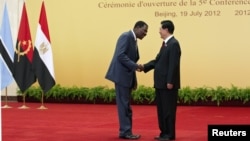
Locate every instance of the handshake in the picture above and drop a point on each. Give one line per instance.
(140, 67)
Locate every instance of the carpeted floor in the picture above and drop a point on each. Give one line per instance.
(93, 122)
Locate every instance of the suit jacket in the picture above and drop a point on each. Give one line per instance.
(123, 65)
(166, 65)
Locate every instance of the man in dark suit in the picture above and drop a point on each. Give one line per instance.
(122, 72)
(166, 67)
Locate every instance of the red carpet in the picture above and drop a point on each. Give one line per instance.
(90, 122)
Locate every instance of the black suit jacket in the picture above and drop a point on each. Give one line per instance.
(166, 65)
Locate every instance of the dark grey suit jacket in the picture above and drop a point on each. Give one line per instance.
(166, 65)
(123, 65)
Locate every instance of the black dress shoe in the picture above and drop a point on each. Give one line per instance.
(130, 137)
(156, 137)
(163, 138)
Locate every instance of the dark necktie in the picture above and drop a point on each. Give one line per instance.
(163, 44)
(136, 45)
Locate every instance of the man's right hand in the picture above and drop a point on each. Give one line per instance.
(140, 68)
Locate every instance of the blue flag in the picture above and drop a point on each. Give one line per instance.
(6, 51)
(6, 77)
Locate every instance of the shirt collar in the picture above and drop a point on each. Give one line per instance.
(166, 40)
(133, 34)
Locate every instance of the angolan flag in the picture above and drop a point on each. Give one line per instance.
(23, 73)
(43, 58)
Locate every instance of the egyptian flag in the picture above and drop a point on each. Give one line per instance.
(6, 51)
(23, 73)
(43, 58)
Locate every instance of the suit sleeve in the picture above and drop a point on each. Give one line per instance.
(174, 60)
(149, 66)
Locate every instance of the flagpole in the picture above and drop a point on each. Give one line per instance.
(24, 106)
(42, 107)
(6, 100)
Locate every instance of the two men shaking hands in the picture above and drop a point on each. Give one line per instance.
(140, 67)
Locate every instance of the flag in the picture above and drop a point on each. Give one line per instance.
(5, 74)
(43, 58)
(6, 51)
(23, 73)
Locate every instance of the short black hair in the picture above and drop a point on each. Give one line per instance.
(140, 24)
(169, 25)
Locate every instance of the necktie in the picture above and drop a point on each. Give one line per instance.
(136, 46)
(163, 44)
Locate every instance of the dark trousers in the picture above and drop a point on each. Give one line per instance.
(123, 96)
(166, 101)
